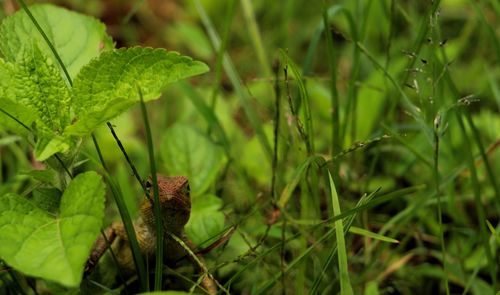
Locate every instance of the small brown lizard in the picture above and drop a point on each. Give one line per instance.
(175, 204)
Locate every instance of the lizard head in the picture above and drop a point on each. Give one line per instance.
(175, 202)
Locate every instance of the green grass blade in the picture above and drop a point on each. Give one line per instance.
(370, 234)
(303, 104)
(125, 154)
(265, 288)
(489, 28)
(437, 122)
(365, 200)
(493, 232)
(157, 207)
(297, 176)
(230, 11)
(127, 222)
(332, 64)
(276, 131)
(345, 282)
(255, 37)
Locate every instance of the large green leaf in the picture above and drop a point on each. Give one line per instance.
(206, 220)
(187, 152)
(53, 247)
(76, 37)
(109, 84)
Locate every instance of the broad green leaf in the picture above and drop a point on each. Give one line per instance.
(206, 220)
(109, 84)
(76, 37)
(186, 151)
(53, 247)
(33, 91)
(47, 199)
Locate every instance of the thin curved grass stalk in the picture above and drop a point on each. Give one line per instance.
(207, 280)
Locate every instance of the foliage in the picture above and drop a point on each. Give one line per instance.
(104, 88)
(58, 112)
(53, 246)
(397, 101)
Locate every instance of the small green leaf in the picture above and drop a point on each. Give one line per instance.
(53, 247)
(206, 220)
(76, 37)
(108, 85)
(187, 152)
(50, 144)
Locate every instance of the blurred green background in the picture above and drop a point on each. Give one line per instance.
(400, 98)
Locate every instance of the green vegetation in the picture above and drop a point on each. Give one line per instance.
(332, 147)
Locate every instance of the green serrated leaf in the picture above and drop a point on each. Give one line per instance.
(13, 114)
(76, 37)
(99, 114)
(206, 220)
(33, 91)
(187, 152)
(109, 84)
(37, 83)
(53, 247)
